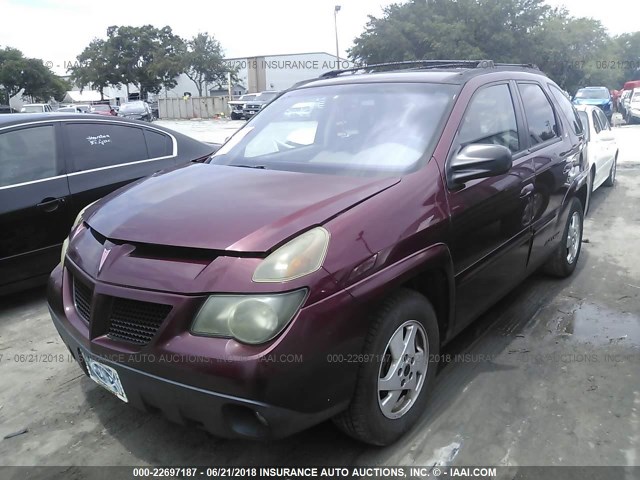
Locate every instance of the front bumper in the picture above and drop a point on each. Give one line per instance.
(222, 415)
(216, 383)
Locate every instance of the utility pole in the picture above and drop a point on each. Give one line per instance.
(335, 21)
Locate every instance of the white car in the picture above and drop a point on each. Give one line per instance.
(602, 149)
(70, 109)
(633, 106)
(36, 108)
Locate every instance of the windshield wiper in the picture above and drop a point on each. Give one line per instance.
(261, 167)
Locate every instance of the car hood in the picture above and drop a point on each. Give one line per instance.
(227, 208)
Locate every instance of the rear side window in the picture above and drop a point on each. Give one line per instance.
(539, 113)
(96, 145)
(568, 110)
(27, 154)
(158, 144)
(490, 118)
(596, 122)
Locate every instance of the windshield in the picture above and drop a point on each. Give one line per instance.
(101, 108)
(375, 129)
(635, 96)
(132, 107)
(266, 96)
(32, 109)
(247, 97)
(593, 93)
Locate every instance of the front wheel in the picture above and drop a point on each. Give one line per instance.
(565, 258)
(611, 179)
(590, 180)
(397, 374)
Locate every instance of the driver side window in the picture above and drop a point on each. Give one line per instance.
(490, 118)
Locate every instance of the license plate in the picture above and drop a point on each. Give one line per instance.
(252, 112)
(106, 377)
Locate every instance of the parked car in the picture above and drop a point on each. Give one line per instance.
(137, 110)
(101, 109)
(36, 108)
(625, 96)
(84, 108)
(237, 106)
(70, 109)
(294, 278)
(601, 150)
(155, 112)
(53, 165)
(262, 100)
(633, 106)
(7, 109)
(596, 96)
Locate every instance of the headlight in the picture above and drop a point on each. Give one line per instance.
(249, 319)
(299, 257)
(76, 222)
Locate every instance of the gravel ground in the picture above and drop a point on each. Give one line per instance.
(549, 376)
(214, 131)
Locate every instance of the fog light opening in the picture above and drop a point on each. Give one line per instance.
(246, 421)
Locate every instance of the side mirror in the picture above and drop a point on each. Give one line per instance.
(478, 161)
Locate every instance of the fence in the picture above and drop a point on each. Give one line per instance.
(193, 107)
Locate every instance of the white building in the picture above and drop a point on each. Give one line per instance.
(279, 72)
(266, 72)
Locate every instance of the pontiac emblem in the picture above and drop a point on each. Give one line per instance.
(103, 258)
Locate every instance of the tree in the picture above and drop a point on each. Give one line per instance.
(11, 66)
(572, 51)
(94, 68)
(629, 59)
(203, 62)
(145, 56)
(29, 76)
(444, 29)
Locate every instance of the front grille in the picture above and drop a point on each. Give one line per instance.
(82, 295)
(134, 321)
(253, 107)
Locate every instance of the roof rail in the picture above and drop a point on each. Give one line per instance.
(423, 64)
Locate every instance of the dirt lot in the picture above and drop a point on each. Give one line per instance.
(550, 376)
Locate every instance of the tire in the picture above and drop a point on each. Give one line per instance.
(401, 313)
(235, 116)
(589, 192)
(611, 179)
(564, 259)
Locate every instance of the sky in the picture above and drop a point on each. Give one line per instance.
(56, 31)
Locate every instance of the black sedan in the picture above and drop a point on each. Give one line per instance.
(137, 110)
(53, 165)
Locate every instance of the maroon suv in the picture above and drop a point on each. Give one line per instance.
(316, 264)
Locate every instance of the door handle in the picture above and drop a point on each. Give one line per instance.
(50, 204)
(526, 190)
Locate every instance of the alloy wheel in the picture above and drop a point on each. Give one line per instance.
(573, 238)
(403, 369)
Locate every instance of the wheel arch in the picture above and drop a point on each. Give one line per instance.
(428, 271)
